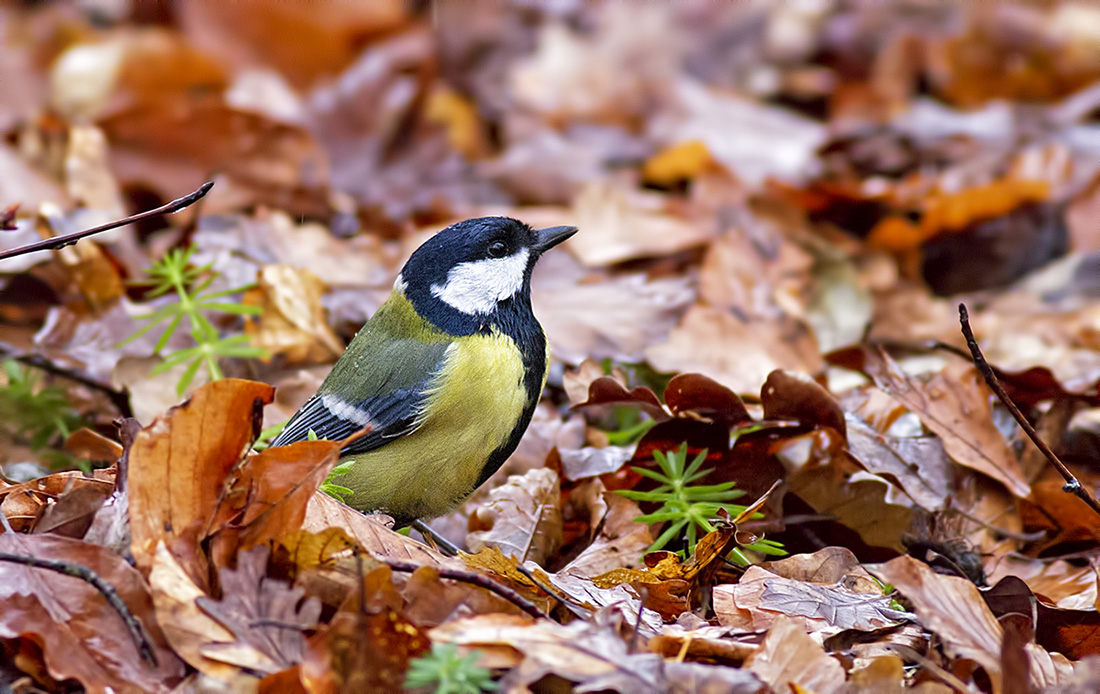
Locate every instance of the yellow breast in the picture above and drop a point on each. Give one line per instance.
(472, 407)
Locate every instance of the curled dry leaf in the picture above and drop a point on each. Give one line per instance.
(689, 394)
(590, 653)
(24, 503)
(186, 627)
(372, 532)
(179, 464)
(954, 610)
(704, 643)
(737, 352)
(522, 518)
(81, 635)
(266, 496)
(955, 405)
(791, 395)
(760, 597)
(603, 317)
(267, 617)
(293, 321)
(621, 224)
(790, 658)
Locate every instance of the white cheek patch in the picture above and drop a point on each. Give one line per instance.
(344, 411)
(476, 287)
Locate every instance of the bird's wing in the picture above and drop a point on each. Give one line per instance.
(384, 383)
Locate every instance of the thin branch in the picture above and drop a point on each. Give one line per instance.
(472, 578)
(445, 546)
(137, 631)
(119, 399)
(52, 244)
(1072, 485)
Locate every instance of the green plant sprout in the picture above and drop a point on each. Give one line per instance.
(174, 273)
(35, 413)
(268, 435)
(688, 507)
(449, 672)
(32, 412)
(630, 426)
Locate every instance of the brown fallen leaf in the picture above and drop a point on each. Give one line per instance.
(737, 352)
(24, 503)
(790, 658)
(955, 405)
(265, 497)
(792, 395)
(589, 653)
(368, 644)
(705, 643)
(620, 543)
(293, 321)
(371, 532)
(186, 627)
(587, 315)
(81, 635)
(522, 518)
(918, 464)
(267, 618)
(760, 598)
(180, 463)
(834, 566)
(250, 35)
(621, 224)
(953, 609)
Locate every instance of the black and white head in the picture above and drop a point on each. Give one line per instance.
(464, 275)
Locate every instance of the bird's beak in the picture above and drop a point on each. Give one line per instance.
(552, 236)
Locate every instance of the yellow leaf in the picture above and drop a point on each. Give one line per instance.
(675, 163)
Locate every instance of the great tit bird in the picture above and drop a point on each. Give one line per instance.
(447, 372)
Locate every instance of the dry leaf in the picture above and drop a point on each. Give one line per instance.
(180, 463)
(953, 609)
(522, 518)
(267, 618)
(790, 658)
(620, 224)
(81, 635)
(760, 598)
(738, 353)
(589, 653)
(293, 321)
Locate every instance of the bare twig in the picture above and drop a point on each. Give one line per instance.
(472, 578)
(1072, 485)
(137, 631)
(118, 398)
(445, 546)
(57, 242)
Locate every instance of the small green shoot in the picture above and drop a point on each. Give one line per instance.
(630, 426)
(889, 590)
(687, 507)
(330, 487)
(174, 273)
(449, 672)
(40, 415)
(268, 435)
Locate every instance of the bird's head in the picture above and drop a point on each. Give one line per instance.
(465, 273)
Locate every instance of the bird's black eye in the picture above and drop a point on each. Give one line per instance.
(497, 249)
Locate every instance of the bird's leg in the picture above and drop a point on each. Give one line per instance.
(434, 539)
